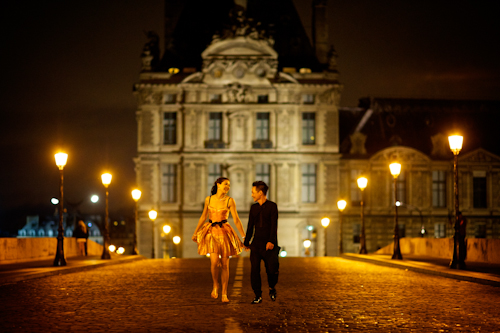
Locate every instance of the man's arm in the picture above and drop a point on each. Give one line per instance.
(273, 232)
(250, 230)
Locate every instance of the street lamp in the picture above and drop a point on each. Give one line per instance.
(106, 180)
(176, 241)
(362, 183)
(458, 260)
(307, 244)
(60, 260)
(395, 171)
(152, 216)
(136, 195)
(166, 231)
(325, 222)
(341, 204)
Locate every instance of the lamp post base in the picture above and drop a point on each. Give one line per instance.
(60, 260)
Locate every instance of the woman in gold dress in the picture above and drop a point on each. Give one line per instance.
(216, 236)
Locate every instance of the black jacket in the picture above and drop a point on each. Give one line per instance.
(264, 219)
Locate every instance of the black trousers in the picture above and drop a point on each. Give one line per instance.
(271, 261)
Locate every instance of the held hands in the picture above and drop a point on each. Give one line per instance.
(194, 238)
(269, 246)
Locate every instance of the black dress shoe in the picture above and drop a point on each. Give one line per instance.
(257, 300)
(272, 294)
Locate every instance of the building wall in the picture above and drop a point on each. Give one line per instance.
(417, 210)
(238, 151)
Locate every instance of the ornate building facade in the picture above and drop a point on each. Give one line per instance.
(241, 113)
(240, 92)
(415, 134)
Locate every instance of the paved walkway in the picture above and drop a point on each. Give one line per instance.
(478, 272)
(484, 273)
(319, 294)
(10, 273)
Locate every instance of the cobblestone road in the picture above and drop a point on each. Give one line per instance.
(314, 295)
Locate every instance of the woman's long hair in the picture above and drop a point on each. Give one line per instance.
(218, 181)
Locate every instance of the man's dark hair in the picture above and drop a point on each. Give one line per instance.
(261, 186)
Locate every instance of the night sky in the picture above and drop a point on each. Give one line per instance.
(68, 69)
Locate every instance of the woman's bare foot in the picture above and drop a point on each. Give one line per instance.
(214, 292)
(225, 299)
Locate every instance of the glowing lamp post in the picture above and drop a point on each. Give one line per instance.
(362, 183)
(458, 260)
(153, 214)
(176, 241)
(136, 195)
(307, 244)
(106, 180)
(60, 260)
(166, 231)
(341, 204)
(395, 171)
(325, 222)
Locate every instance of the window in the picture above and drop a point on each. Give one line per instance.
(214, 172)
(215, 126)
(309, 183)
(215, 98)
(479, 190)
(355, 191)
(262, 99)
(308, 99)
(262, 126)
(480, 231)
(169, 183)
(169, 128)
(308, 128)
(262, 172)
(439, 230)
(169, 98)
(438, 188)
(401, 188)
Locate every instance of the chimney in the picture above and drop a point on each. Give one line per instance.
(320, 31)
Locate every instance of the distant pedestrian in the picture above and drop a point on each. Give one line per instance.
(81, 234)
(216, 236)
(263, 227)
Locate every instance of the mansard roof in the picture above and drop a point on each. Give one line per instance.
(200, 20)
(422, 124)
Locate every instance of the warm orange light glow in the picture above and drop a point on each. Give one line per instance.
(166, 228)
(176, 240)
(307, 243)
(341, 204)
(136, 194)
(153, 214)
(456, 142)
(173, 70)
(395, 169)
(61, 159)
(112, 248)
(362, 183)
(325, 221)
(106, 179)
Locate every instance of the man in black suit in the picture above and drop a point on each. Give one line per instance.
(263, 226)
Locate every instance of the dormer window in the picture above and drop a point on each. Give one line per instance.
(262, 99)
(215, 98)
(308, 99)
(169, 98)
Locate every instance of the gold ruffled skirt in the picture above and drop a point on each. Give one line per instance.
(218, 239)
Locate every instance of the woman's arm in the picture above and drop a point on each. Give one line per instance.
(202, 219)
(236, 218)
